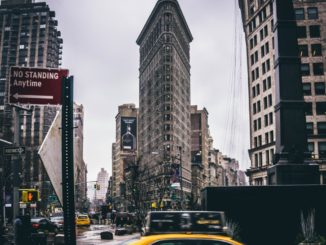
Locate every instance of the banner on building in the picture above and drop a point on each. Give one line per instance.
(129, 133)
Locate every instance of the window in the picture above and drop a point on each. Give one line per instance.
(311, 146)
(258, 106)
(259, 123)
(299, 14)
(314, 31)
(266, 138)
(254, 108)
(309, 128)
(271, 136)
(308, 108)
(303, 50)
(270, 118)
(316, 49)
(318, 69)
(264, 85)
(306, 88)
(312, 13)
(266, 120)
(305, 71)
(270, 100)
(320, 88)
(265, 102)
(321, 127)
(322, 149)
(301, 32)
(258, 89)
(254, 91)
(320, 108)
(267, 156)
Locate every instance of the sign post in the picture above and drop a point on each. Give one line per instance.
(68, 161)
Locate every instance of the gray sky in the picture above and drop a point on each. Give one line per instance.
(100, 50)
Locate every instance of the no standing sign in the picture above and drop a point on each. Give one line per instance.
(36, 86)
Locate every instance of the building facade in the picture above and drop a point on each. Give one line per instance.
(124, 152)
(29, 38)
(102, 183)
(80, 170)
(257, 17)
(164, 93)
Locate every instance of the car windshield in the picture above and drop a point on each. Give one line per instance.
(82, 217)
(56, 218)
(185, 221)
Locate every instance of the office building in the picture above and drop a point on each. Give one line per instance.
(124, 152)
(257, 17)
(28, 38)
(164, 94)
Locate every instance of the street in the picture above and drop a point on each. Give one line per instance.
(91, 235)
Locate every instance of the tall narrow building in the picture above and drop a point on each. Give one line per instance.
(257, 17)
(29, 38)
(164, 92)
(124, 153)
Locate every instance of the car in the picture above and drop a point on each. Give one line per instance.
(42, 224)
(83, 220)
(58, 220)
(185, 227)
(185, 239)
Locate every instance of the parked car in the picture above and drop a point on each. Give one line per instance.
(58, 220)
(42, 224)
(83, 220)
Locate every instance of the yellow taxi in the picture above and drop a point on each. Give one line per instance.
(185, 239)
(83, 220)
(185, 228)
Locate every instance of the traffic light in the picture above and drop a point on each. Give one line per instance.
(29, 195)
(97, 187)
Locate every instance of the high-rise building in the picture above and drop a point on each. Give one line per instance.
(29, 38)
(102, 182)
(80, 169)
(164, 91)
(200, 138)
(124, 152)
(257, 17)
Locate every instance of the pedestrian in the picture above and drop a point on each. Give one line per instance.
(18, 231)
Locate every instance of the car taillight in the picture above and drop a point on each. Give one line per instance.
(36, 226)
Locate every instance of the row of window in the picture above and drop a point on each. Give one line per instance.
(269, 154)
(312, 13)
(319, 88)
(321, 148)
(321, 128)
(317, 69)
(320, 108)
(264, 49)
(261, 17)
(268, 120)
(266, 66)
(314, 31)
(267, 84)
(315, 50)
(269, 138)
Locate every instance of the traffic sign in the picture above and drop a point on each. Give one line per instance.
(35, 85)
(19, 150)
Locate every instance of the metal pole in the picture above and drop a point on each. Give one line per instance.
(68, 162)
(4, 203)
(15, 165)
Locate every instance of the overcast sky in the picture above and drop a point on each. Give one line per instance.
(100, 50)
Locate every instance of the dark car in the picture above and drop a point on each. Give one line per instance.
(41, 224)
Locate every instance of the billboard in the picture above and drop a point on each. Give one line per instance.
(39, 86)
(128, 133)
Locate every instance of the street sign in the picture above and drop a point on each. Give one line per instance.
(37, 86)
(19, 150)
